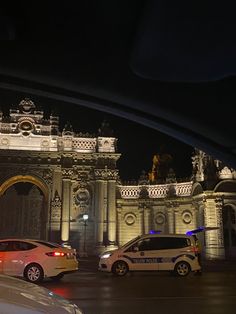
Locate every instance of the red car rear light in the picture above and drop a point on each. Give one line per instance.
(55, 254)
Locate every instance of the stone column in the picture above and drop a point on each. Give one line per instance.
(111, 200)
(214, 238)
(197, 207)
(99, 212)
(119, 210)
(65, 216)
(173, 216)
(200, 223)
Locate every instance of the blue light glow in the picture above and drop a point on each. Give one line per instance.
(199, 229)
(154, 231)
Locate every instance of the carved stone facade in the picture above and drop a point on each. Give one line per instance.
(69, 175)
(66, 175)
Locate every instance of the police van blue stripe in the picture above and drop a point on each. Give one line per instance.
(153, 260)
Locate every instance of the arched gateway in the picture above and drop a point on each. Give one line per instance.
(23, 207)
(50, 179)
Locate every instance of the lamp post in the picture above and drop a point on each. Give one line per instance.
(85, 219)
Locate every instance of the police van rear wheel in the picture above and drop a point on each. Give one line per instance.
(120, 268)
(182, 269)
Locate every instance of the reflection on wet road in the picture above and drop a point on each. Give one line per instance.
(139, 293)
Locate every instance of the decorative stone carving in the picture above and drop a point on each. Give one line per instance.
(130, 191)
(172, 204)
(184, 188)
(82, 198)
(171, 191)
(106, 144)
(56, 208)
(106, 174)
(45, 143)
(225, 173)
(158, 191)
(198, 161)
(143, 194)
(175, 189)
(4, 141)
(26, 127)
(219, 221)
(187, 217)
(160, 218)
(67, 173)
(47, 175)
(84, 144)
(27, 106)
(130, 219)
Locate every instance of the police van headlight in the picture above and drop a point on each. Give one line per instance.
(106, 255)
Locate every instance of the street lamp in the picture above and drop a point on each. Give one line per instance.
(85, 219)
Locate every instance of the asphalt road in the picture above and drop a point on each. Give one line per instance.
(140, 293)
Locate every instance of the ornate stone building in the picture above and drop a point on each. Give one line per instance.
(49, 179)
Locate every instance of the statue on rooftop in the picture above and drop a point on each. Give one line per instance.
(105, 129)
(160, 166)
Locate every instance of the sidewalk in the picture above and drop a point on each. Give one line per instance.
(219, 265)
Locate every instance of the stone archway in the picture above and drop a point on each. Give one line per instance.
(229, 225)
(23, 208)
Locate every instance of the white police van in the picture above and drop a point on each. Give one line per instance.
(177, 253)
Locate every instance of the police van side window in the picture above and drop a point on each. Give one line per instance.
(145, 245)
(173, 243)
(160, 243)
(142, 245)
(164, 243)
(150, 244)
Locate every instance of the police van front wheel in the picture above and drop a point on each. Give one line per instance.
(182, 268)
(120, 268)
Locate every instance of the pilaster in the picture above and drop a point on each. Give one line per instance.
(214, 238)
(141, 220)
(119, 210)
(171, 220)
(65, 216)
(99, 212)
(147, 219)
(111, 212)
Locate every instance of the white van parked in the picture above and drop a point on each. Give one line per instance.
(153, 252)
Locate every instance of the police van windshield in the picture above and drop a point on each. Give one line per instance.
(130, 242)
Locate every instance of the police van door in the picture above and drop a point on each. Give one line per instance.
(142, 255)
(172, 248)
